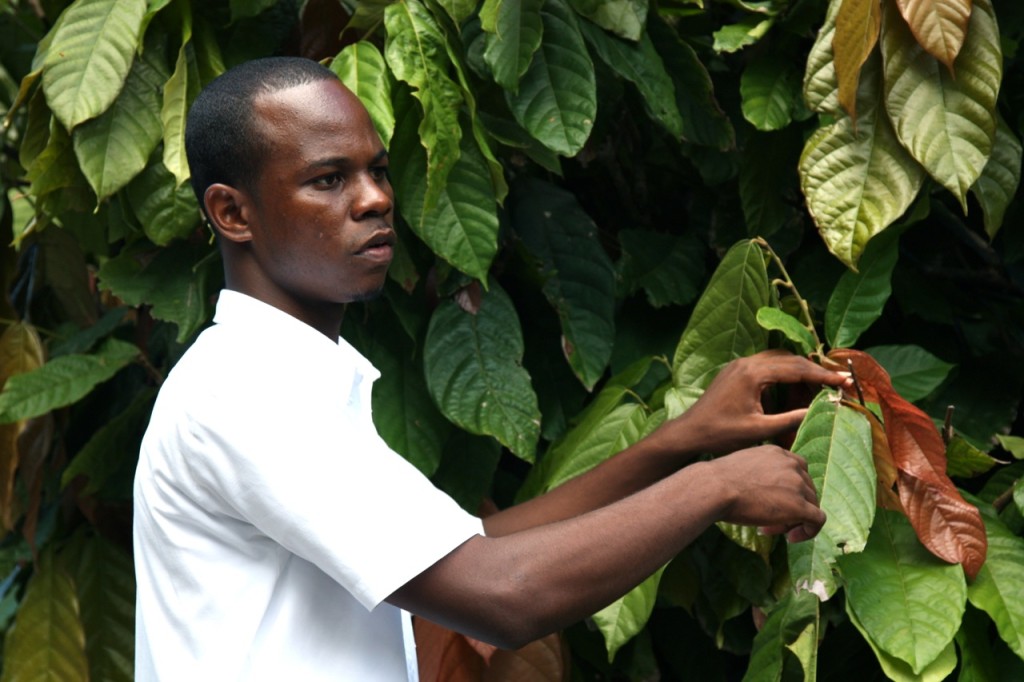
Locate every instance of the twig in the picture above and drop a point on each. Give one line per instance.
(947, 427)
(856, 384)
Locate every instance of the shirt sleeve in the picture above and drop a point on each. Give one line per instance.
(319, 480)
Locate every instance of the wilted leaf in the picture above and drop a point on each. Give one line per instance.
(723, 325)
(938, 25)
(859, 297)
(856, 33)
(475, 375)
(557, 98)
(361, 67)
(47, 641)
(577, 276)
(858, 179)
(946, 524)
(836, 442)
(89, 57)
(948, 124)
(909, 604)
(21, 351)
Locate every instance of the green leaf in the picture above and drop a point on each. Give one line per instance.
(458, 10)
(475, 375)
(557, 98)
(90, 56)
(54, 169)
(240, 9)
(999, 588)
(908, 602)
(723, 325)
(416, 51)
(179, 92)
(62, 381)
(361, 67)
(749, 538)
(858, 179)
(625, 617)
(998, 183)
(977, 660)
(513, 38)
(47, 641)
(769, 184)
(821, 85)
(591, 442)
(773, 319)
(770, 92)
(948, 124)
(176, 282)
(704, 122)
(167, 210)
(578, 277)
(623, 17)
(640, 64)
(746, 32)
(963, 460)
(860, 296)
(403, 412)
(105, 582)
(669, 268)
(111, 446)
(462, 224)
(836, 442)
(114, 147)
(899, 671)
(785, 623)
(1012, 444)
(915, 372)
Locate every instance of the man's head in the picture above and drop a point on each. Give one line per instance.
(222, 140)
(309, 228)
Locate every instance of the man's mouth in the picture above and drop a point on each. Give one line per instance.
(380, 245)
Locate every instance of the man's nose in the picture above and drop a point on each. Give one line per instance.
(373, 197)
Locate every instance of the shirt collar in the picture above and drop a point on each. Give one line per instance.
(236, 308)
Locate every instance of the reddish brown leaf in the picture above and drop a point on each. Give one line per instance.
(544, 660)
(948, 526)
(20, 351)
(945, 523)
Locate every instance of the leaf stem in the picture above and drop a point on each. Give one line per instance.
(787, 282)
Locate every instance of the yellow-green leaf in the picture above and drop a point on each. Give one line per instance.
(361, 67)
(948, 124)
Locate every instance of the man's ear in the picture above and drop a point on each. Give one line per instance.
(228, 209)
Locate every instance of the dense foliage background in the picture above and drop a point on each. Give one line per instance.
(601, 202)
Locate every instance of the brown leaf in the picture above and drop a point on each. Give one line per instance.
(444, 655)
(543, 660)
(945, 523)
(939, 26)
(20, 351)
(885, 465)
(857, 26)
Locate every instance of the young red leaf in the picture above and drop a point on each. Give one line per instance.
(885, 465)
(445, 655)
(944, 522)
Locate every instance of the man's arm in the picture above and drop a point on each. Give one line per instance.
(729, 416)
(512, 589)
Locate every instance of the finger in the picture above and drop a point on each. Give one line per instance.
(781, 422)
(788, 368)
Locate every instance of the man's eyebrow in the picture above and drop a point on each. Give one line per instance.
(344, 161)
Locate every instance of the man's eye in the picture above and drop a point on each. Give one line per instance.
(379, 173)
(328, 180)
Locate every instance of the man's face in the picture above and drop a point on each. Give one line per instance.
(322, 203)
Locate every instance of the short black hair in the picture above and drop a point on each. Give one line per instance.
(222, 142)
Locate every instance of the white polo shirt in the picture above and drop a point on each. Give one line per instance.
(271, 520)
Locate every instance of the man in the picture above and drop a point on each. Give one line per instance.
(278, 537)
